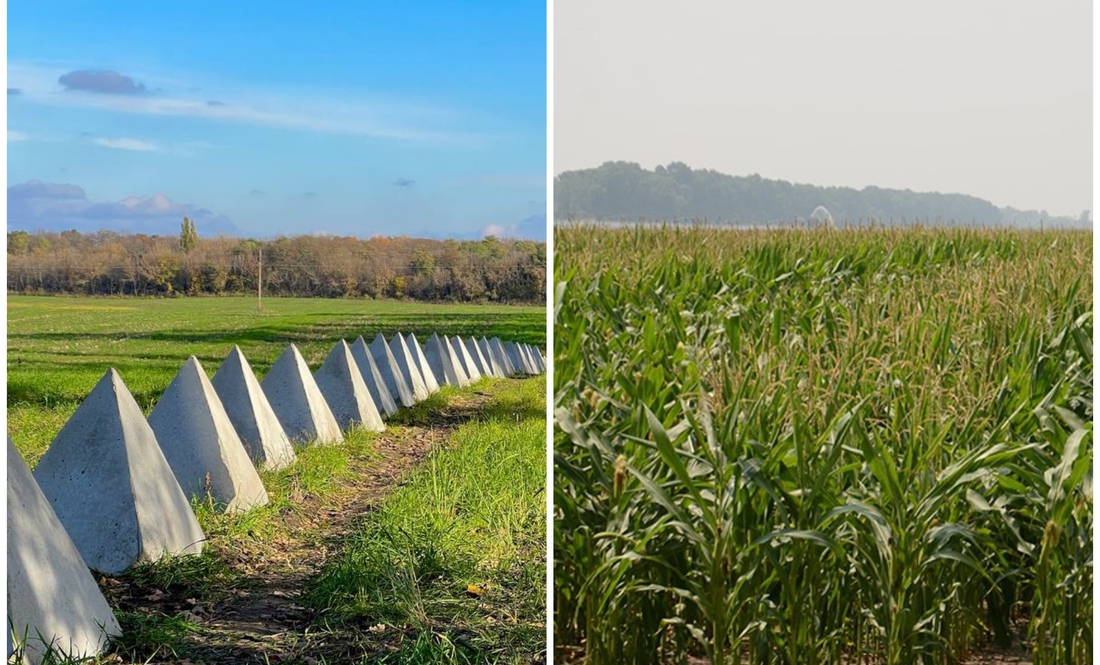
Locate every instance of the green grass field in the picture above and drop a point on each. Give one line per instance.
(815, 446)
(473, 517)
(58, 347)
(366, 550)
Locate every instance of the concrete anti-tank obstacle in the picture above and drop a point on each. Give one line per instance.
(464, 358)
(298, 402)
(464, 377)
(483, 365)
(529, 356)
(515, 356)
(502, 357)
(391, 372)
(443, 363)
(251, 414)
(407, 366)
(491, 358)
(372, 376)
(525, 359)
(54, 603)
(343, 387)
(112, 489)
(201, 445)
(431, 380)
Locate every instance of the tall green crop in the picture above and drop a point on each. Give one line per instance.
(810, 446)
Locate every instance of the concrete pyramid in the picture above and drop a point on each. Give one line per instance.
(443, 362)
(540, 359)
(251, 414)
(345, 391)
(515, 356)
(406, 365)
(491, 358)
(431, 380)
(394, 379)
(502, 356)
(53, 601)
(483, 365)
(298, 402)
(529, 357)
(525, 360)
(464, 358)
(200, 444)
(372, 376)
(111, 487)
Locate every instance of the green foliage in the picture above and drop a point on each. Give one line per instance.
(19, 242)
(58, 348)
(189, 237)
(474, 513)
(822, 446)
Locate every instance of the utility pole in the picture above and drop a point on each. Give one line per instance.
(260, 282)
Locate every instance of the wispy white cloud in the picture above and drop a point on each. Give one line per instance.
(126, 144)
(41, 85)
(14, 136)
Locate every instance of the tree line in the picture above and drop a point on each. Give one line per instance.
(109, 263)
(626, 191)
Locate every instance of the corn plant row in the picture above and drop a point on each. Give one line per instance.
(814, 446)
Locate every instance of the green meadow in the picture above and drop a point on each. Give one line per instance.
(59, 347)
(424, 543)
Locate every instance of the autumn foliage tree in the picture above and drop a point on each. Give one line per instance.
(108, 263)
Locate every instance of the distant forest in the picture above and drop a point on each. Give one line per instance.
(626, 191)
(109, 263)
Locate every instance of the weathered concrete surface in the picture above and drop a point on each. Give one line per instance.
(483, 365)
(443, 363)
(464, 358)
(372, 376)
(391, 372)
(251, 414)
(431, 380)
(107, 480)
(539, 358)
(345, 391)
(407, 366)
(53, 601)
(200, 444)
(491, 358)
(298, 402)
(497, 347)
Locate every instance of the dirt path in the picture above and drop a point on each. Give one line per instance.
(261, 617)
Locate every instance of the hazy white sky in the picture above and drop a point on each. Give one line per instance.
(985, 97)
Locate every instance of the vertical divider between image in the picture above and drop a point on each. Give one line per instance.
(549, 331)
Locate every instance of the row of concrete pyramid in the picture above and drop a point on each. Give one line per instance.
(113, 487)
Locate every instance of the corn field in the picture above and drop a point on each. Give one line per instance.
(815, 446)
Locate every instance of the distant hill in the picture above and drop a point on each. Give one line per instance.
(626, 191)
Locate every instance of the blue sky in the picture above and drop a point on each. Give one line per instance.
(357, 118)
